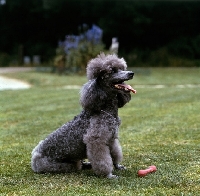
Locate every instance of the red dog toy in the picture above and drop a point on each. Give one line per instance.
(144, 172)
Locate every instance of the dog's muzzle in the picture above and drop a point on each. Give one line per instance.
(130, 74)
(126, 75)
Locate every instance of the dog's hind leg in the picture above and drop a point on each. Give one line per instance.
(44, 164)
(41, 164)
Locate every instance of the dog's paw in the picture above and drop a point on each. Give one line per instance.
(111, 176)
(119, 167)
(86, 165)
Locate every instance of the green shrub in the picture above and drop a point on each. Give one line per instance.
(161, 57)
(77, 59)
(4, 60)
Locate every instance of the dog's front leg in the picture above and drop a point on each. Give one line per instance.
(99, 155)
(116, 153)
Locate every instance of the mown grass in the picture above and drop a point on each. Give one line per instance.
(160, 126)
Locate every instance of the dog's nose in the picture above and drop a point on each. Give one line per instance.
(131, 74)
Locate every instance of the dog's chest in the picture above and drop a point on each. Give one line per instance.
(114, 128)
(112, 125)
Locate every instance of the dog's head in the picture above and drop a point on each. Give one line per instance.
(107, 75)
(104, 63)
(110, 72)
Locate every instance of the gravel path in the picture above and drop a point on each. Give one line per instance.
(15, 69)
(13, 84)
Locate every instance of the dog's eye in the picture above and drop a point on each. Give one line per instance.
(114, 70)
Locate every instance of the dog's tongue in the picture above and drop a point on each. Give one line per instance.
(126, 86)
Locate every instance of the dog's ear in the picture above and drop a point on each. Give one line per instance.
(123, 98)
(101, 76)
(92, 96)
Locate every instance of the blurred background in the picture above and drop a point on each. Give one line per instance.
(67, 33)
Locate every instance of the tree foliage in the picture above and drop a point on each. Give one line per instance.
(139, 25)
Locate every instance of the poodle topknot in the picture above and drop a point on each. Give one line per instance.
(93, 134)
(104, 63)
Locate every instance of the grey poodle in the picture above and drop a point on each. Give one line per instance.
(93, 134)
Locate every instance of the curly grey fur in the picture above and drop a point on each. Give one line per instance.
(92, 134)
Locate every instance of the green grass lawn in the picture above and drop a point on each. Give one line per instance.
(160, 126)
